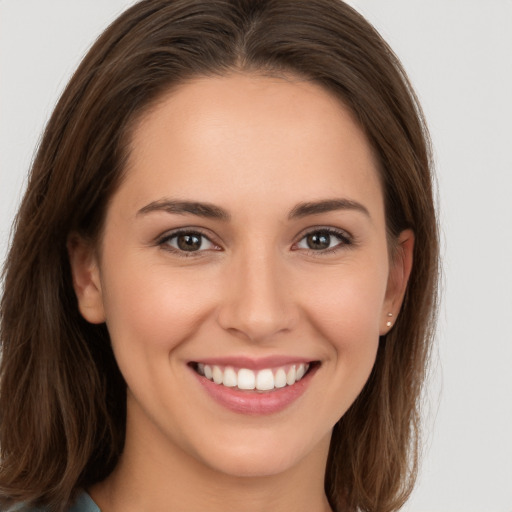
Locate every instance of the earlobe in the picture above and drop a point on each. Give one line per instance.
(399, 273)
(86, 279)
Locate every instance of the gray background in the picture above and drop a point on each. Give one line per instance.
(459, 56)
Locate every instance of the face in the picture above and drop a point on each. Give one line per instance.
(245, 247)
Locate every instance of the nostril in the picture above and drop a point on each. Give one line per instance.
(254, 326)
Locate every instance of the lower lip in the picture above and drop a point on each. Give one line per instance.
(254, 402)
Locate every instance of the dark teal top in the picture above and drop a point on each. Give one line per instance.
(83, 503)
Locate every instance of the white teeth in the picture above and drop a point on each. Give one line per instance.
(280, 378)
(217, 375)
(291, 375)
(230, 378)
(263, 380)
(246, 379)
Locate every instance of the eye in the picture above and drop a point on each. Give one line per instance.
(187, 242)
(324, 240)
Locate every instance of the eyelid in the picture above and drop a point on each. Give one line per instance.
(163, 240)
(346, 239)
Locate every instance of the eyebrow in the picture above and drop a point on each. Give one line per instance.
(328, 205)
(212, 211)
(206, 210)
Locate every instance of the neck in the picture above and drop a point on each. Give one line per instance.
(155, 474)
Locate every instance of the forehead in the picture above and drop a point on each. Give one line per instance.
(251, 135)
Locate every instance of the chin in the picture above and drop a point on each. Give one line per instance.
(264, 454)
(255, 464)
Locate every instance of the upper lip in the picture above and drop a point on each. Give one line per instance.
(254, 363)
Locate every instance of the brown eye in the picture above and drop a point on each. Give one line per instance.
(324, 240)
(187, 241)
(318, 241)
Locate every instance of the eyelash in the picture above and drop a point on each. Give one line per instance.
(164, 242)
(344, 238)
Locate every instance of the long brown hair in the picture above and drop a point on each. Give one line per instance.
(62, 398)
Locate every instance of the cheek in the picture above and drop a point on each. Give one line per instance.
(347, 316)
(155, 308)
(346, 305)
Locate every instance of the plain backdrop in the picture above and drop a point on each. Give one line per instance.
(458, 54)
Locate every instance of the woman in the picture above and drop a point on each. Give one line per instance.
(221, 287)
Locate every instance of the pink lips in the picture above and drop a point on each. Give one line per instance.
(254, 364)
(254, 402)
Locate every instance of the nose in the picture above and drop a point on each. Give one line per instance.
(258, 301)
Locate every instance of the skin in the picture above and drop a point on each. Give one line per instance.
(256, 147)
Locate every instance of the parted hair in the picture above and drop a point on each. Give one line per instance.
(62, 397)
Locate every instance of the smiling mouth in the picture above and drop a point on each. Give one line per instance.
(263, 380)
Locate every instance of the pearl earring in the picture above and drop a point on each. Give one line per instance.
(389, 323)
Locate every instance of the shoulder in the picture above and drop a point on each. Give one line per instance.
(83, 503)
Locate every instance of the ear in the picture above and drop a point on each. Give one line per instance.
(86, 278)
(399, 272)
